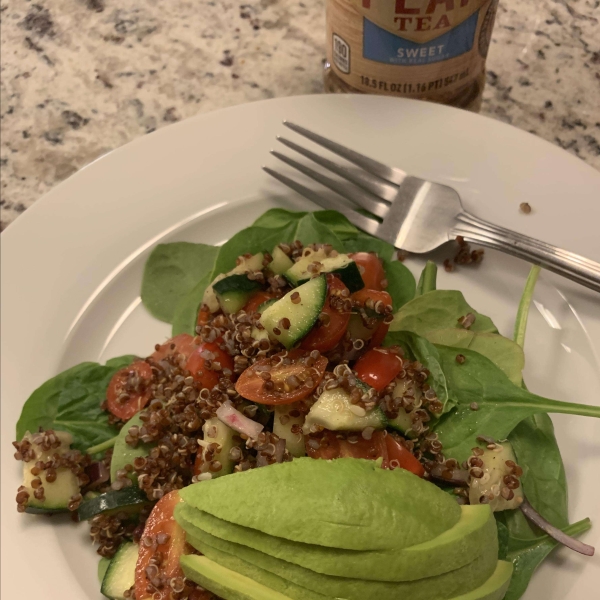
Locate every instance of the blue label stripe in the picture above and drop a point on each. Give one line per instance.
(385, 47)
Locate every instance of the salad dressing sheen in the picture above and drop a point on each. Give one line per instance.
(424, 49)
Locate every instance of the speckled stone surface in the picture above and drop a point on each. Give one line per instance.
(81, 77)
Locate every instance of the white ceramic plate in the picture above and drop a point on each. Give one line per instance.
(72, 267)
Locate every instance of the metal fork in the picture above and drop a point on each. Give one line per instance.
(414, 214)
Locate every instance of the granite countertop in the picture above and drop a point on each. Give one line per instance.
(81, 77)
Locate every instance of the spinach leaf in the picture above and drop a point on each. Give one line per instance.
(171, 271)
(186, 313)
(527, 554)
(363, 242)
(275, 218)
(401, 283)
(438, 309)
(544, 480)
(501, 405)
(517, 525)
(504, 353)
(338, 223)
(503, 540)
(427, 281)
(523, 312)
(311, 231)
(70, 402)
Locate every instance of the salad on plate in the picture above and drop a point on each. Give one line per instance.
(406, 456)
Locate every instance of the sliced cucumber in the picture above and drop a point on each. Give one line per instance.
(282, 426)
(231, 302)
(120, 575)
(129, 500)
(302, 316)
(216, 432)
(234, 291)
(357, 330)
(281, 261)
(58, 493)
(102, 568)
(123, 453)
(254, 263)
(261, 309)
(341, 265)
(491, 484)
(334, 410)
(262, 334)
(402, 423)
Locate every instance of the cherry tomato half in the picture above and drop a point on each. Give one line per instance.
(370, 294)
(371, 269)
(378, 367)
(381, 445)
(197, 363)
(306, 372)
(379, 335)
(161, 522)
(399, 456)
(332, 446)
(180, 344)
(204, 315)
(256, 300)
(325, 336)
(134, 381)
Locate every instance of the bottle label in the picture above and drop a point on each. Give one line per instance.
(428, 49)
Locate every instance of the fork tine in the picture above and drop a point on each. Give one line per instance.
(362, 222)
(368, 164)
(346, 190)
(365, 180)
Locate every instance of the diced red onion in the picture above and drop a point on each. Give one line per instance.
(237, 421)
(98, 474)
(460, 477)
(262, 460)
(554, 532)
(279, 450)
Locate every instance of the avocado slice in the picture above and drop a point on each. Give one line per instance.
(345, 503)
(229, 584)
(495, 587)
(453, 549)
(439, 587)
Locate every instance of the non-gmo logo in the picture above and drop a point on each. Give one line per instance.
(341, 54)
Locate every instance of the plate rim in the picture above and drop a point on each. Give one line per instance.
(15, 232)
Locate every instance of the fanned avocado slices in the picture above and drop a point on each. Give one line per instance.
(495, 587)
(346, 503)
(344, 529)
(443, 586)
(230, 583)
(224, 576)
(451, 550)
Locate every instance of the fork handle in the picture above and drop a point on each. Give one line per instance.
(565, 263)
